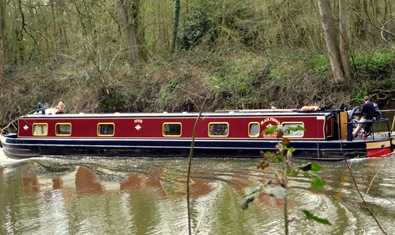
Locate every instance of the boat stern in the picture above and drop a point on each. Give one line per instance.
(379, 148)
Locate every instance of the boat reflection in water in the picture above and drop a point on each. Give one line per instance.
(93, 179)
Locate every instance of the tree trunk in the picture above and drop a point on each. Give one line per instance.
(2, 26)
(130, 36)
(55, 39)
(176, 23)
(139, 30)
(344, 49)
(329, 29)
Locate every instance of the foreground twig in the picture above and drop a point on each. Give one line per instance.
(286, 162)
(371, 182)
(190, 162)
(363, 200)
(189, 171)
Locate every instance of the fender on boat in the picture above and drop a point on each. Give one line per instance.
(310, 108)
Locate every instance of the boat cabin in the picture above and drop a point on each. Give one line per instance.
(229, 125)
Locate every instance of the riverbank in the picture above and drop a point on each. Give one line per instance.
(232, 79)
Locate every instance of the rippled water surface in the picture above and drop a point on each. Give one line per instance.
(148, 196)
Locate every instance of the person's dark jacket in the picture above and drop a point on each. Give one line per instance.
(368, 110)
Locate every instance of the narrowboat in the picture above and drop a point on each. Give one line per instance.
(326, 134)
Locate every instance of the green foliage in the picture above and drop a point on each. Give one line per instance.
(172, 84)
(391, 84)
(132, 97)
(112, 101)
(196, 25)
(166, 96)
(216, 22)
(169, 98)
(316, 182)
(375, 66)
(235, 86)
(238, 82)
(278, 74)
(321, 64)
(270, 130)
(311, 167)
(310, 215)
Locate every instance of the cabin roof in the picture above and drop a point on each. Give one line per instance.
(221, 113)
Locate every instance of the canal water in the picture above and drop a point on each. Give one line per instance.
(148, 196)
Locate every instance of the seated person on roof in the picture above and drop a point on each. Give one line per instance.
(44, 109)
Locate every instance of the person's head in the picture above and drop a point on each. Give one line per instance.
(61, 106)
(366, 98)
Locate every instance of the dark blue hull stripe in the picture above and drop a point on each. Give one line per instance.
(324, 150)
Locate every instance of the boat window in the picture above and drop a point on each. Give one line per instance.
(63, 129)
(218, 129)
(171, 129)
(253, 129)
(290, 133)
(40, 129)
(105, 129)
